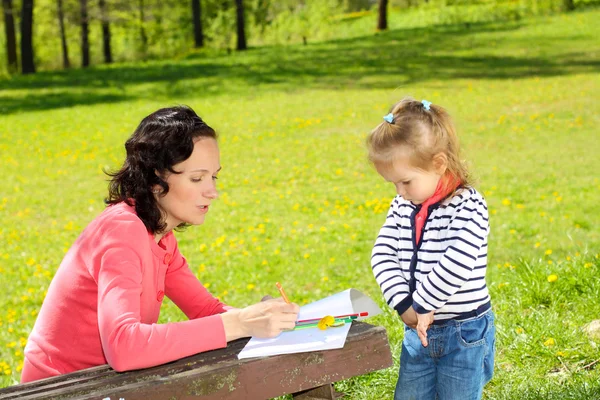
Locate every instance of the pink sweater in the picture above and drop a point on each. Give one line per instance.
(103, 303)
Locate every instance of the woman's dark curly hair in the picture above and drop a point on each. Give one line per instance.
(164, 138)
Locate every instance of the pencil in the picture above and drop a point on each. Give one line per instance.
(282, 292)
(361, 314)
(316, 324)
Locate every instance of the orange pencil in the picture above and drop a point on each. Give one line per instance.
(282, 292)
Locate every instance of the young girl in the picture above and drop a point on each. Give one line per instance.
(104, 301)
(430, 256)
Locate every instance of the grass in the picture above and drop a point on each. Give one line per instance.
(299, 202)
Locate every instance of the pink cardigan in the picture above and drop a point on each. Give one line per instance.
(103, 303)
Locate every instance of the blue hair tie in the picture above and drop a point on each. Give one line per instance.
(389, 118)
(426, 104)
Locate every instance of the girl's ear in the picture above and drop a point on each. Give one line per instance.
(440, 163)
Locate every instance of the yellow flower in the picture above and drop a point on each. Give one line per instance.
(552, 278)
(325, 322)
(506, 202)
(548, 252)
(538, 244)
(550, 342)
(306, 255)
(250, 286)
(519, 330)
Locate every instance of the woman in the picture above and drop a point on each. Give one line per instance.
(104, 301)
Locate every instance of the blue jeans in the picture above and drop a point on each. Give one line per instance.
(456, 364)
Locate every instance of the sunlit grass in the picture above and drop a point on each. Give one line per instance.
(299, 202)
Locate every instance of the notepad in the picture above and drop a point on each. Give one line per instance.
(350, 301)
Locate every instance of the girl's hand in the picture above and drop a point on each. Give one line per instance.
(264, 320)
(423, 322)
(409, 317)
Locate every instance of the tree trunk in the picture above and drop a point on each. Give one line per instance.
(241, 32)
(85, 34)
(27, 62)
(382, 20)
(11, 39)
(106, 49)
(197, 19)
(143, 36)
(568, 5)
(63, 36)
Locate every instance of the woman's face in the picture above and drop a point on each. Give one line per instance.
(193, 189)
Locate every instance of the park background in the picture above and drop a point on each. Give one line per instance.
(299, 203)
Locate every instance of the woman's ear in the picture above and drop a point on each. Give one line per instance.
(440, 163)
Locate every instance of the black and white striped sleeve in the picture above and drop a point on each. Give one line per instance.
(386, 265)
(467, 233)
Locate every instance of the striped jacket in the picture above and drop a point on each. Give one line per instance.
(445, 272)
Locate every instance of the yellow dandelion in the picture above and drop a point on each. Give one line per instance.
(552, 278)
(512, 231)
(537, 244)
(519, 330)
(306, 255)
(506, 202)
(548, 252)
(549, 342)
(250, 286)
(325, 322)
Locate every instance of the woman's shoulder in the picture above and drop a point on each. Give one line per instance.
(119, 218)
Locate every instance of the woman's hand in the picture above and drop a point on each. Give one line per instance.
(264, 320)
(423, 322)
(409, 317)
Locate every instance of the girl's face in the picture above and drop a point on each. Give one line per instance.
(413, 184)
(192, 190)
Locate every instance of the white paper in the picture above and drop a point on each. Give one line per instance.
(350, 301)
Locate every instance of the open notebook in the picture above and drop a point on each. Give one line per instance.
(350, 301)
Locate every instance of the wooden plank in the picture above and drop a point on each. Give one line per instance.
(220, 375)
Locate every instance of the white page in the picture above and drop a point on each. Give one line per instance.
(300, 341)
(349, 301)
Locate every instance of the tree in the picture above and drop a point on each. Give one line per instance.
(85, 34)
(143, 37)
(9, 32)
(568, 5)
(63, 36)
(197, 20)
(241, 32)
(27, 62)
(382, 20)
(106, 49)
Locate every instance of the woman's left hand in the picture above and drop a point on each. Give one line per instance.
(423, 323)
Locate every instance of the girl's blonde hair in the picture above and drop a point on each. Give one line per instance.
(423, 133)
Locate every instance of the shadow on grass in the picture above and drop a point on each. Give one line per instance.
(384, 60)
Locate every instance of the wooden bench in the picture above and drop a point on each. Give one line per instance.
(218, 374)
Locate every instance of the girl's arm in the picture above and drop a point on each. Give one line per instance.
(385, 263)
(467, 234)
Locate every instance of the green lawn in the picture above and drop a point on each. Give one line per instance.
(299, 202)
